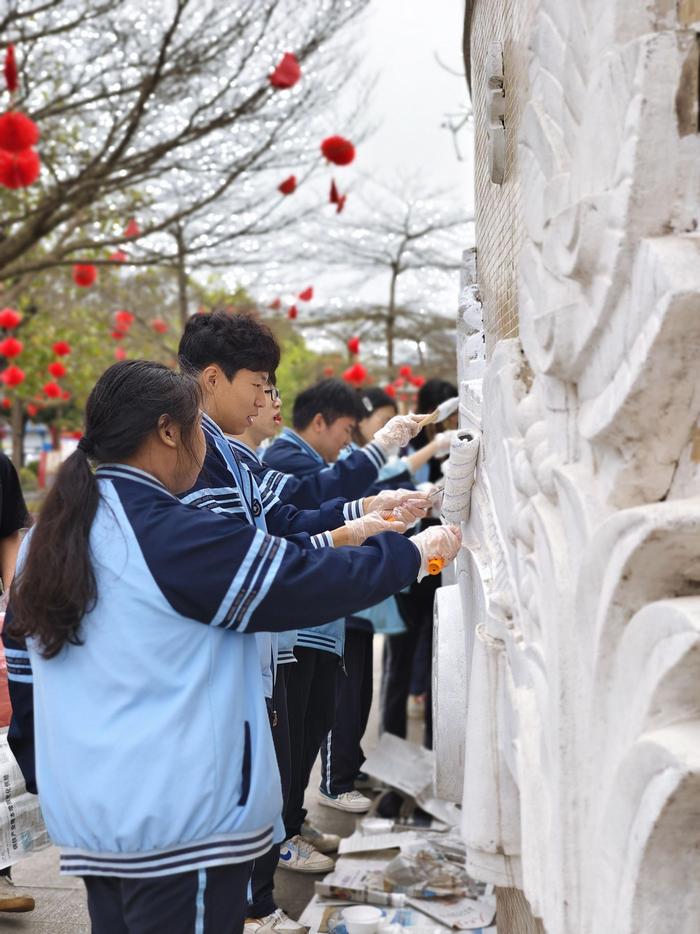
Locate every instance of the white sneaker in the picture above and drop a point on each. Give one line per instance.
(278, 921)
(300, 856)
(352, 801)
(323, 842)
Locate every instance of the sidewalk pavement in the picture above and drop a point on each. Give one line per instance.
(60, 900)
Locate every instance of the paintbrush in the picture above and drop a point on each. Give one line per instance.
(443, 411)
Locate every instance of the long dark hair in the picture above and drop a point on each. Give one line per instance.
(56, 586)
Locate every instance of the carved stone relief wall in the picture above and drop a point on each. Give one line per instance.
(579, 585)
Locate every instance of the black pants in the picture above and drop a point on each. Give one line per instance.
(341, 753)
(205, 901)
(311, 709)
(262, 881)
(399, 652)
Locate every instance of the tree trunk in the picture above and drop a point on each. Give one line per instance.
(390, 321)
(181, 275)
(17, 426)
(513, 914)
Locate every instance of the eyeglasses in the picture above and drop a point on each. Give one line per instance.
(273, 393)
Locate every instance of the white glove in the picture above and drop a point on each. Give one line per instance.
(372, 524)
(397, 432)
(403, 503)
(441, 542)
(443, 439)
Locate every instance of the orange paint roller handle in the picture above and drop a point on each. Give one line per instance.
(436, 564)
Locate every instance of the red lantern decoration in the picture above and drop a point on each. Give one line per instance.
(275, 304)
(328, 371)
(307, 294)
(287, 72)
(65, 395)
(57, 369)
(17, 131)
(354, 345)
(356, 374)
(6, 404)
(132, 229)
(293, 312)
(84, 275)
(118, 335)
(418, 381)
(120, 353)
(288, 186)
(32, 410)
(399, 381)
(405, 371)
(123, 319)
(12, 376)
(19, 169)
(119, 256)
(338, 150)
(11, 347)
(52, 390)
(159, 326)
(61, 348)
(9, 318)
(11, 69)
(390, 391)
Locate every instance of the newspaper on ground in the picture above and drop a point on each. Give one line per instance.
(459, 914)
(367, 843)
(22, 829)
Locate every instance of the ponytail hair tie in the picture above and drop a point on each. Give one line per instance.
(86, 446)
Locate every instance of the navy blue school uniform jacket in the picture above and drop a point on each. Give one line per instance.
(152, 742)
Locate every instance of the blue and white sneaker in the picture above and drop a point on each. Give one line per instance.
(298, 855)
(352, 801)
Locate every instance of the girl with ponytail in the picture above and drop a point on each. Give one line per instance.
(134, 669)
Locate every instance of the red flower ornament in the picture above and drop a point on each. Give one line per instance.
(57, 369)
(61, 348)
(293, 312)
(418, 381)
(123, 319)
(355, 374)
(159, 326)
(11, 69)
(6, 404)
(287, 72)
(354, 345)
(288, 186)
(132, 229)
(52, 390)
(17, 131)
(119, 256)
(307, 294)
(32, 410)
(405, 371)
(19, 169)
(338, 150)
(390, 391)
(120, 353)
(118, 335)
(275, 304)
(9, 318)
(11, 347)
(12, 376)
(84, 275)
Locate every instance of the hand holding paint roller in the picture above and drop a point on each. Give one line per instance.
(438, 545)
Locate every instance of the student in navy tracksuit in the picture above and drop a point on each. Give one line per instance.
(324, 417)
(154, 760)
(232, 357)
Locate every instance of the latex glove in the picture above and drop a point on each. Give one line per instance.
(397, 432)
(404, 503)
(443, 439)
(437, 541)
(372, 524)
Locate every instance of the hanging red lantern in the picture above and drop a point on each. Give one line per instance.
(84, 275)
(287, 72)
(32, 410)
(52, 390)
(17, 131)
(11, 69)
(390, 391)
(354, 345)
(405, 371)
(120, 353)
(328, 371)
(159, 326)
(356, 374)
(6, 404)
(418, 381)
(11, 347)
(19, 169)
(132, 229)
(307, 294)
(275, 304)
(57, 369)
(118, 335)
(12, 376)
(119, 256)
(124, 319)
(293, 312)
(61, 348)
(288, 186)
(338, 150)
(9, 318)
